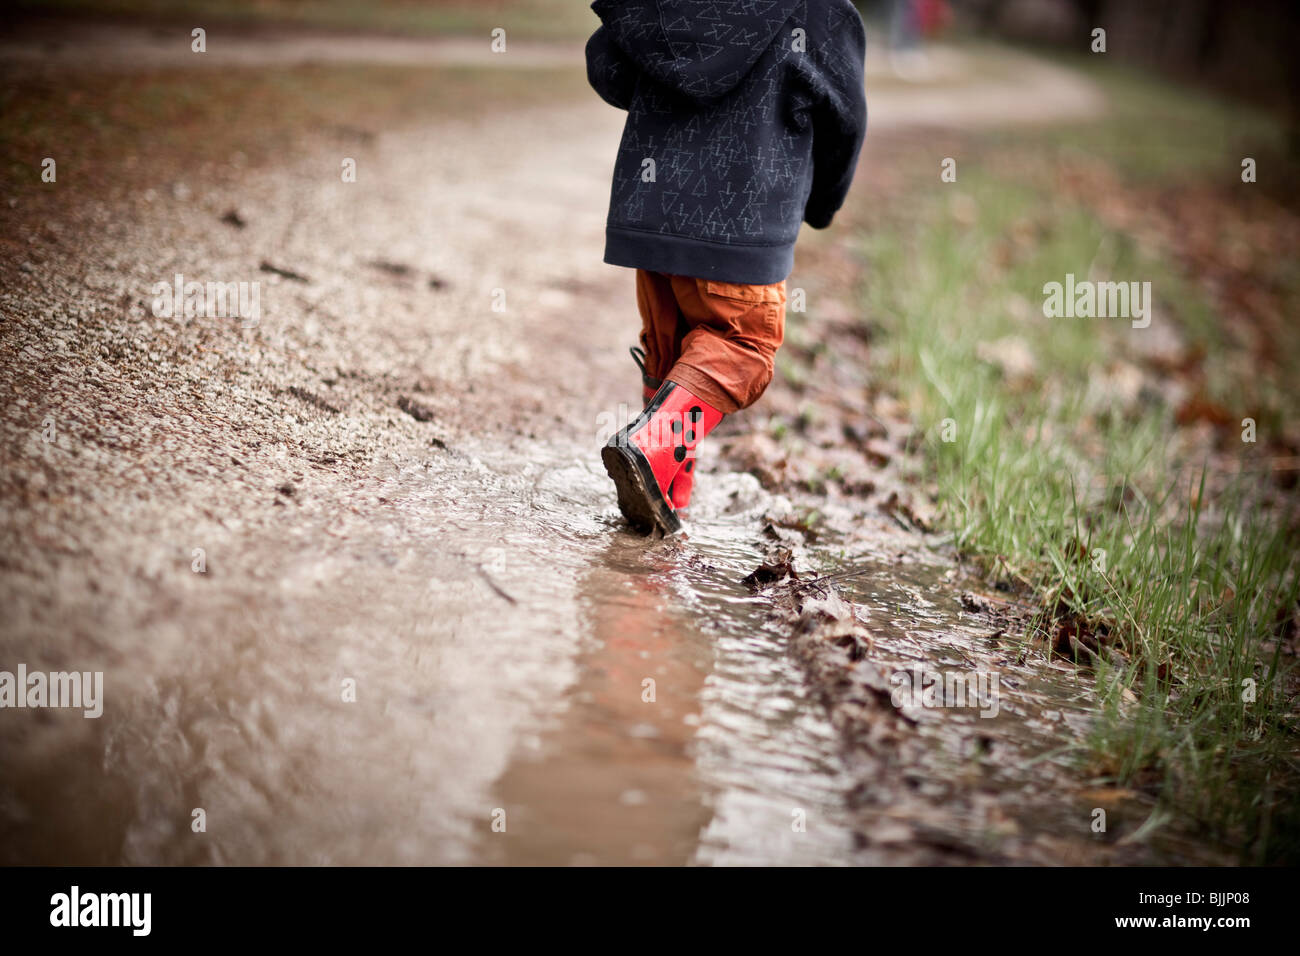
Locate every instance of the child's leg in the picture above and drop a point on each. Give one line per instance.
(727, 355)
(662, 328)
(723, 363)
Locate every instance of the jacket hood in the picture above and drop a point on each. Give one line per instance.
(700, 48)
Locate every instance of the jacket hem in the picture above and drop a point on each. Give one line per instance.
(698, 258)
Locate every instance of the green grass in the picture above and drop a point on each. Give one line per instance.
(1053, 465)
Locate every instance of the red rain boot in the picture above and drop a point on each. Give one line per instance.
(679, 492)
(645, 457)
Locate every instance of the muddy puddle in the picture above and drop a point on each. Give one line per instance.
(469, 660)
(985, 767)
(988, 764)
(662, 717)
(684, 733)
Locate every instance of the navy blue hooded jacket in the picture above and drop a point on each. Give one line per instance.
(753, 113)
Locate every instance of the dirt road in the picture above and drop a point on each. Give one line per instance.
(352, 571)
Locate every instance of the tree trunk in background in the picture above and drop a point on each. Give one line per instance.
(1247, 50)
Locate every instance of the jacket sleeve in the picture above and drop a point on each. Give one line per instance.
(838, 114)
(609, 71)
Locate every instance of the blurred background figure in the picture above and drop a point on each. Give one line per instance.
(909, 22)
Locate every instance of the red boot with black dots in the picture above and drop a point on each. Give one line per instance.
(652, 452)
(679, 492)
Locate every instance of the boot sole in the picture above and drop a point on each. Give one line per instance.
(639, 498)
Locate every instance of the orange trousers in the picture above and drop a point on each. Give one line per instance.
(718, 339)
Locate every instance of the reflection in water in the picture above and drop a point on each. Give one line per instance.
(610, 778)
(765, 747)
(710, 770)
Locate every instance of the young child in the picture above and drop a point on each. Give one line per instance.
(744, 118)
